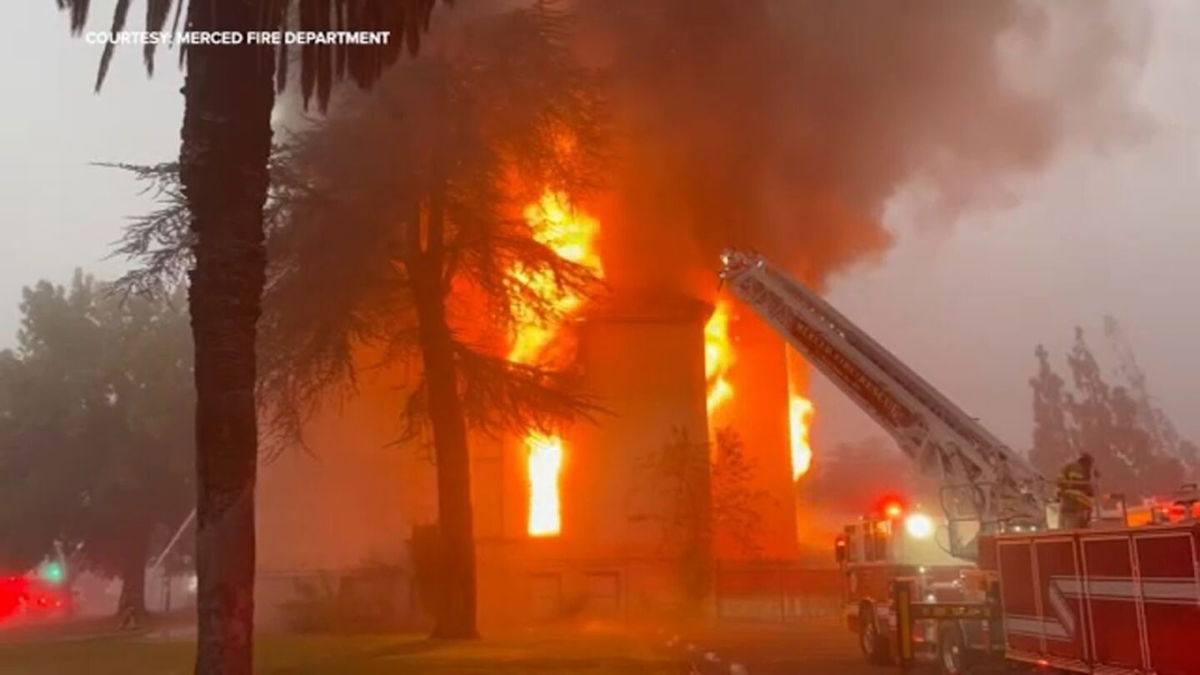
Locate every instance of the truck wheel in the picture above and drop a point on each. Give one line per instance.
(871, 640)
(954, 657)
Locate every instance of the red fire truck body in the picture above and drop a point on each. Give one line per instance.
(876, 551)
(1121, 597)
(1114, 600)
(1122, 600)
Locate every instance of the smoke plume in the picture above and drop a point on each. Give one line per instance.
(787, 125)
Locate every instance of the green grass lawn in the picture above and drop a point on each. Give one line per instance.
(353, 655)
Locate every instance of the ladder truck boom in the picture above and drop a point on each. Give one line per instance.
(986, 487)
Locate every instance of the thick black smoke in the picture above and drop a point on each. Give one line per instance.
(786, 125)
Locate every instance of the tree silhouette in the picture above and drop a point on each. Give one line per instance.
(1094, 419)
(681, 471)
(736, 505)
(229, 93)
(1115, 426)
(408, 234)
(403, 238)
(95, 418)
(1053, 445)
(711, 507)
(1159, 430)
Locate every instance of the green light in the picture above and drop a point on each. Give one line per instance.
(52, 572)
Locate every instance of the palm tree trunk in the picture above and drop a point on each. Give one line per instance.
(229, 96)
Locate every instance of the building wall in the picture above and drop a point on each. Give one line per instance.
(643, 360)
(352, 497)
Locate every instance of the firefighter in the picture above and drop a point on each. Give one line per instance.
(1076, 493)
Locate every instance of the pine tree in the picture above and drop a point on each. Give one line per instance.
(1094, 422)
(96, 453)
(1136, 449)
(1159, 429)
(1053, 444)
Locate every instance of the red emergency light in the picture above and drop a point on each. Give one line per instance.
(890, 506)
(29, 595)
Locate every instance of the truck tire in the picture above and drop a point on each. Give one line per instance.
(954, 657)
(872, 640)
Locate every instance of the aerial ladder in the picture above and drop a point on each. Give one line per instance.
(986, 488)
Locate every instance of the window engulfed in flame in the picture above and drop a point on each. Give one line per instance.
(718, 356)
(545, 461)
(571, 234)
(800, 412)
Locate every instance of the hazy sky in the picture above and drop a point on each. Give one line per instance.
(1098, 232)
(58, 212)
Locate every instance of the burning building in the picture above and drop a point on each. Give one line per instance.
(607, 514)
(598, 518)
(738, 123)
(590, 535)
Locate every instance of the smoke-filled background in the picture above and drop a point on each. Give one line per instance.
(965, 179)
(788, 126)
(799, 128)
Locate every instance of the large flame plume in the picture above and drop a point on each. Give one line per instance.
(571, 234)
(800, 412)
(718, 356)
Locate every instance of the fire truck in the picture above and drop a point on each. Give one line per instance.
(987, 577)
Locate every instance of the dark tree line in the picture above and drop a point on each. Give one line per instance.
(1137, 451)
(96, 450)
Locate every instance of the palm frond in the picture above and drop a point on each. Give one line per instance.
(79, 13)
(156, 19)
(120, 14)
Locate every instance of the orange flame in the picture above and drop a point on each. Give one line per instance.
(718, 356)
(571, 234)
(800, 413)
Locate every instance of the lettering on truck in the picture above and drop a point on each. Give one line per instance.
(820, 349)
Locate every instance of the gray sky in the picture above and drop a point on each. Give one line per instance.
(56, 211)
(1098, 232)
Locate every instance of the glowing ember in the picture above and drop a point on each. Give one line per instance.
(800, 412)
(545, 462)
(571, 235)
(718, 356)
